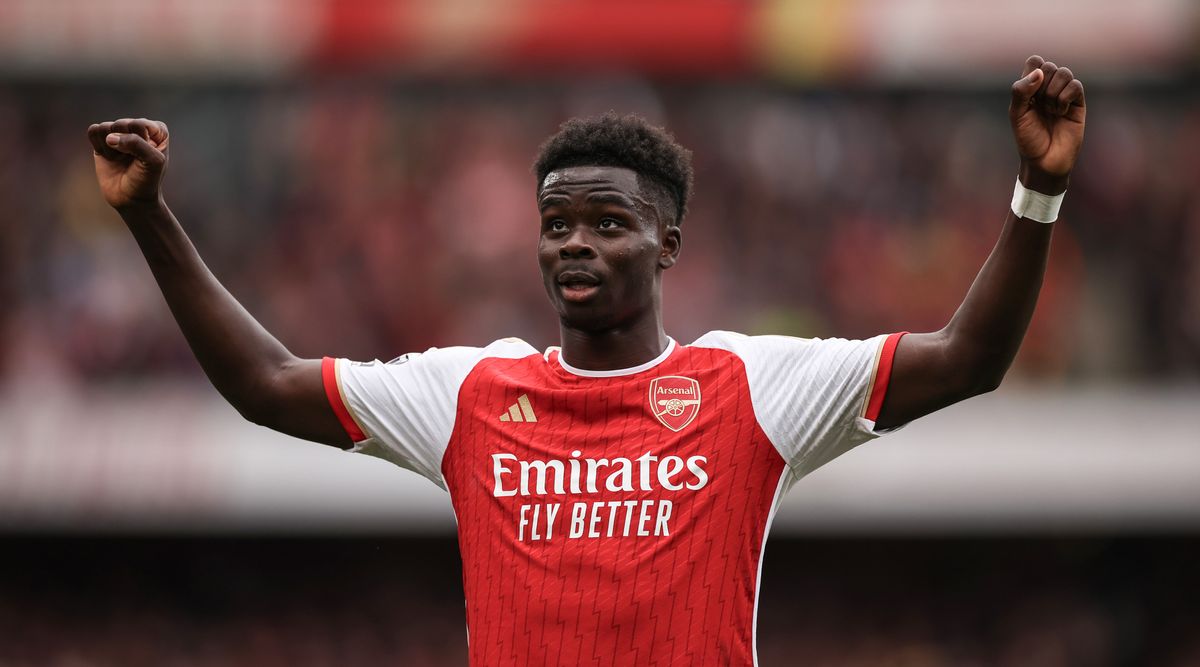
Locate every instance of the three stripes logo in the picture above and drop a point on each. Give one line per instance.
(521, 411)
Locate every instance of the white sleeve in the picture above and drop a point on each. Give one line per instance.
(814, 398)
(403, 411)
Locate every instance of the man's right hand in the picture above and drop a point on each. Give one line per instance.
(249, 367)
(131, 156)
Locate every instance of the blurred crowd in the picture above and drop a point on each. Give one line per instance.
(363, 219)
(839, 603)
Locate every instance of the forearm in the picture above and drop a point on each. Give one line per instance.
(986, 331)
(971, 354)
(237, 354)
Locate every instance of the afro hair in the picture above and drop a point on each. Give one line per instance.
(629, 141)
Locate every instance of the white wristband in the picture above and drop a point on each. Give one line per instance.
(1033, 205)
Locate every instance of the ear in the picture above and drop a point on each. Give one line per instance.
(672, 241)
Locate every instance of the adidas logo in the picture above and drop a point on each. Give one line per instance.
(521, 411)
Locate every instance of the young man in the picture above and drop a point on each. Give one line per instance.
(614, 495)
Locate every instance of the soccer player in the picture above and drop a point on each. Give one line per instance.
(614, 494)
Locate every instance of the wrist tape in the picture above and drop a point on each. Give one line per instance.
(1033, 205)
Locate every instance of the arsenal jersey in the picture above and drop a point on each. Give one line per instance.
(615, 517)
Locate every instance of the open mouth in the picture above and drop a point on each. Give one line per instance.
(578, 285)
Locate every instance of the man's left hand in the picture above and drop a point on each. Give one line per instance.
(1047, 115)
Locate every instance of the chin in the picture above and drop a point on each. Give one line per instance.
(586, 317)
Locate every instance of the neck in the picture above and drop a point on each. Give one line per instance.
(610, 349)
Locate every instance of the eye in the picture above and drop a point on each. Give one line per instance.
(609, 223)
(556, 226)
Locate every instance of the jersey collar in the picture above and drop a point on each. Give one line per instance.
(616, 372)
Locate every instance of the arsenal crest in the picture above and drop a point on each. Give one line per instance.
(675, 400)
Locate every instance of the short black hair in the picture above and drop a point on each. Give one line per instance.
(629, 141)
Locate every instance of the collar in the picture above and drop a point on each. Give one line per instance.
(616, 372)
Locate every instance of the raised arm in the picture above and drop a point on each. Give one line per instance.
(971, 354)
(248, 366)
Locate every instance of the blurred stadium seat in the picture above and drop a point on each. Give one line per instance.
(853, 161)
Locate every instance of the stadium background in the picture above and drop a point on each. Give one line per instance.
(357, 174)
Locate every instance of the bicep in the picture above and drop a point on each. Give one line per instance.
(296, 403)
(926, 377)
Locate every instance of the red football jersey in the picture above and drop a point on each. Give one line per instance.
(615, 517)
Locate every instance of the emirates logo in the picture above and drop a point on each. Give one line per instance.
(674, 400)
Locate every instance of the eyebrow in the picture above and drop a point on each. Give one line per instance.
(613, 198)
(632, 203)
(546, 201)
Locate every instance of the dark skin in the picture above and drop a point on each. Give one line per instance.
(602, 251)
(605, 242)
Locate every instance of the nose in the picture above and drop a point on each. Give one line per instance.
(576, 245)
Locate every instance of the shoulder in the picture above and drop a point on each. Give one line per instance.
(505, 348)
(740, 343)
(732, 340)
(777, 352)
(444, 367)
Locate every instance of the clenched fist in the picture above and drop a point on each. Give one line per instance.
(130, 156)
(1047, 115)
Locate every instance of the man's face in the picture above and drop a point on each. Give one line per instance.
(603, 246)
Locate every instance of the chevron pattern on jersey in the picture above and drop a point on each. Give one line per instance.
(561, 573)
